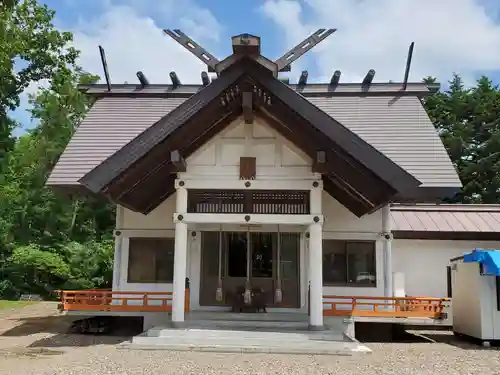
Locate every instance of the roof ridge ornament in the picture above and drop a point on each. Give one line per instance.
(249, 45)
(193, 47)
(307, 44)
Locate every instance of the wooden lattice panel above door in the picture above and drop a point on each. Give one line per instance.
(270, 202)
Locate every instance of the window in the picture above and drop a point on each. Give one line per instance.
(350, 263)
(151, 260)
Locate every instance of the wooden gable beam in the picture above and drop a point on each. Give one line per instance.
(347, 141)
(121, 162)
(294, 128)
(155, 158)
(359, 199)
(149, 173)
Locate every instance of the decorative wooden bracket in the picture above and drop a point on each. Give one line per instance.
(247, 103)
(178, 161)
(248, 168)
(319, 165)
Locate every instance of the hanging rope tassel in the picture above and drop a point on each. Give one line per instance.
(278, 295)
(218, 292)
(247, 296)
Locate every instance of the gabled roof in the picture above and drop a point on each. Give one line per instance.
(366, 177)
(364, 128)
(394, 124)
(349, 142)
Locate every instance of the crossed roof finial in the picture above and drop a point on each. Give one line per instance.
(247, 44)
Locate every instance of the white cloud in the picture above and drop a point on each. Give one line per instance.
(133, 41)
(449, 35)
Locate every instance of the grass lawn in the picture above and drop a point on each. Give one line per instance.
(4, 304)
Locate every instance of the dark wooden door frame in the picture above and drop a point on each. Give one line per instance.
(237, 281)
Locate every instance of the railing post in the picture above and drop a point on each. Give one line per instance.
(187, 301)
(187, 306)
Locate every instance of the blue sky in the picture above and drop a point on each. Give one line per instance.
(371, 34)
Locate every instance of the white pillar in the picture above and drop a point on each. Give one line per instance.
(117, 256)
(387, 250)
(180, 259)
(316, 276)
(117, 264)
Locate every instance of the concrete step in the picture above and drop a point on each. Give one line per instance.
(249, 346)
(244, 325)
(248, 341)
(270, 316)
(215, 334)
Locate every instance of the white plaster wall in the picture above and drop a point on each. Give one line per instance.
(423, 263)
(160, 218)
(340, 219)
(277, 159)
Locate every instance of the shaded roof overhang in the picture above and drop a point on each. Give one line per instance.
(356, 174)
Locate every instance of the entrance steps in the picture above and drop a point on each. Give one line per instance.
(256, 333)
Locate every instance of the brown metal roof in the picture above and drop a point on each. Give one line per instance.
(396, 126)
(446, 218)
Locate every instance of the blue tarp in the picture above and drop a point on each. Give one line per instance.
(490, 260)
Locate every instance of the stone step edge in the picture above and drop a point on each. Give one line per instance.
(361, 349)
(234, 341)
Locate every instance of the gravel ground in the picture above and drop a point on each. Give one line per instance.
(32, 341)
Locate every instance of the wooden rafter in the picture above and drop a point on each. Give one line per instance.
(349, 199)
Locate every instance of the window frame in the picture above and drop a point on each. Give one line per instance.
(345, 245)
(156, 251)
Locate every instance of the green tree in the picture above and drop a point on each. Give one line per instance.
(31, 49)
(34, 270)
(76, 231)
(468, 121)
(90, 264)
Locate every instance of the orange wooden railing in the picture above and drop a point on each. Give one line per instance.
(107, 300)
(395, 307)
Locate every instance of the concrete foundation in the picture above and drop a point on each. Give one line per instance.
(248, 333)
